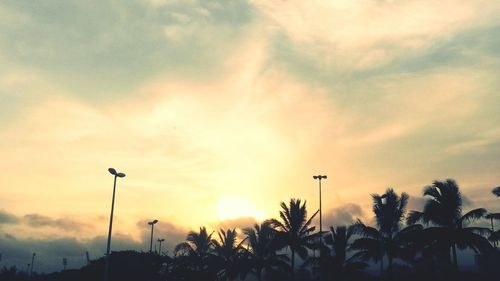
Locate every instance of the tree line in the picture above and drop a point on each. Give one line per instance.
(402, 244)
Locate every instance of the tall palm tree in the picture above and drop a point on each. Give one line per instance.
(196, 254)
(198, 244)
(389, 239)
(229, 254)
(262, 248)
(295, 230)
(450, 229)
(337, 262)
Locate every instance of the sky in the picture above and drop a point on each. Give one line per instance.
(219, 110)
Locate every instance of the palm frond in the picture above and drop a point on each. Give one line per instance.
(471, 216)
(414, 217)
(496, 191)
(495, 216)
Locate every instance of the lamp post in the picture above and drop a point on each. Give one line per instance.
(319, 178)
(152, 223)
(159, 248)
(32, 262)
(108, 248)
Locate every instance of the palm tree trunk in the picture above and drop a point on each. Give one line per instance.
(381, 266)
(454, 250)
(293, 263)
(389, 266)
(493, 230)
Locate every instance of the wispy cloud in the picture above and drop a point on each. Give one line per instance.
(66, 224)
(8, 218)
(197, 101)
(368, 33)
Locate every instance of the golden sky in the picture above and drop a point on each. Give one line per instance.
(219, 110)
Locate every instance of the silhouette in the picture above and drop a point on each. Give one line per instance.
(229, 255)
(295, 230)
(336, 261)
(449, 229)
(262, 247)
(196, 256)
(412, 251)
(495, 234)
(389, 239)
(496, 191)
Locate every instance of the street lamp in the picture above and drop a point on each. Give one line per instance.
(319, 178)
(32, 262)
(152, 223)
(159, 248)
(116, 175)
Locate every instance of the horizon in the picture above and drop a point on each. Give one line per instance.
(218, 111)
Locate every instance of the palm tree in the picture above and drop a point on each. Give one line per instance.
(198, 244)
(336, 262)
(295, 230)
(196, 254)
(450, 230)
(495, 235)
(262, 248)
(496, 191)
(389, 239)
(229, 253)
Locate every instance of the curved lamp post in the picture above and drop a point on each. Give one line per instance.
(152, 223)
(108, 248)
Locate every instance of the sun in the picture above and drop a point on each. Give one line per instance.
(237, 207)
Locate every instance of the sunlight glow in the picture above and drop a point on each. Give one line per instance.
(237, 207)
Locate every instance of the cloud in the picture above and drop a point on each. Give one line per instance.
(50, 250)
(367, 33)
(172, 233)
(343, 215)
(196, 101)
(66, 224)
(240, 223)
(8, 218)
(116, 46)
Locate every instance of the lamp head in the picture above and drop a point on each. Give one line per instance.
(120, 175)
(112, 171)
